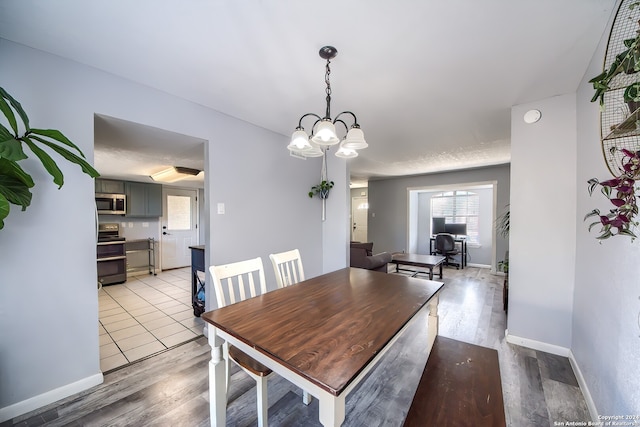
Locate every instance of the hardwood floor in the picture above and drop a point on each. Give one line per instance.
(171, 388)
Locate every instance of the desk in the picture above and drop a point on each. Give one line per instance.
(463, 244)
(420, 261)
(323, 334)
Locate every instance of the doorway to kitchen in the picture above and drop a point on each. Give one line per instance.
(149, 313)
(179, 226)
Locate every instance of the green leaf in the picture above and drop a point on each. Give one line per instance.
(4, 133)
(86, 167)
(592, 224)
(48, 163)
(58, 136)
(626, 232)
(8, 113)
(16, 106)
(595, 212)
(11, 168)
(15, 191)
(11, 149)
(4, 210)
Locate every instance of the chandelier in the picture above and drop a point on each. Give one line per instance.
(323, 130)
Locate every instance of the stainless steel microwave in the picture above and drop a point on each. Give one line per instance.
(112, 204)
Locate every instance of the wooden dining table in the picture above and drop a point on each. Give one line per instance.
(323, 334)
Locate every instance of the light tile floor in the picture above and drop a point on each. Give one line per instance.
(145, 315)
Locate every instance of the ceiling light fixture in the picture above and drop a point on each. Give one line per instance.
(323, 131)
(174, 173)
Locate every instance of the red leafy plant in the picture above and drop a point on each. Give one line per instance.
(621, 192)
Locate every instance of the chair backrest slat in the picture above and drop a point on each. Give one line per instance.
(287, 267)
(240, 275)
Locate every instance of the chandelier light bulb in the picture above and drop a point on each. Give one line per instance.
(325, 133)
(299, 141)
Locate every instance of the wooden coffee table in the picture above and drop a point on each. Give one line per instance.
(421, 261)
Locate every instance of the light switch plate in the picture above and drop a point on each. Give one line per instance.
(220, 208)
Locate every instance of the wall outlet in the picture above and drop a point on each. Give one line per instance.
(145, 225)
(130, 225)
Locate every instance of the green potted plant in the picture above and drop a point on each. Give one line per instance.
(15, 182)
(322, 189)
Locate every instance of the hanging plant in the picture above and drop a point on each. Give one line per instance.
(321, 190)
(15, 183)
(621, 192)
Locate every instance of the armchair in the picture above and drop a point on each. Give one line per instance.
(361, 255)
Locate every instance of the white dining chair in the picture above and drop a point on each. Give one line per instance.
(233, 283)
(287, 267)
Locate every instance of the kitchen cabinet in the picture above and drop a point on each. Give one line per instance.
(111, 186)
(143, 199)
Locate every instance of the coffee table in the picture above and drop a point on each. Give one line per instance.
(417, 260)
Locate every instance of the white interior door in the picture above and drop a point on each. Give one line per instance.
(179, 226)
(359, 213)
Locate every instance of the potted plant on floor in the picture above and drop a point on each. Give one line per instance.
(15, 182)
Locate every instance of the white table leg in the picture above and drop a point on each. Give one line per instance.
(432, 328)
(217, 380)
(331, 410)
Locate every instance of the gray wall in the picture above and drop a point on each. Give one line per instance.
(48, 298)
(388, 203)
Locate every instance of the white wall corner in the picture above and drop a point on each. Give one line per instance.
(35, 402)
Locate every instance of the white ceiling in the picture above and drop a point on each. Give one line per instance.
(432, 82)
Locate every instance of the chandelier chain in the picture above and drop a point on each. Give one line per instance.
(328, 90)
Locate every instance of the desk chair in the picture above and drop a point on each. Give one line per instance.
(240, 276)
(446, 246)
(287, 267)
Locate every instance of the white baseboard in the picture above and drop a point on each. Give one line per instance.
(536, 345)
(33, 403)
(479, 265)
(591, 405)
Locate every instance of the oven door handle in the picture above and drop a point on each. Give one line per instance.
(112, 258)
(117, 242)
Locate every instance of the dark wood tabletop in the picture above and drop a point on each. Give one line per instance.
(327, 329)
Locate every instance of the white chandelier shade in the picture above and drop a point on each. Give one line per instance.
(345, 152)
(355, 139)
(299, 141)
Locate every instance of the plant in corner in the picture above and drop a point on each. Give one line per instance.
(15, 183)
(322, 189)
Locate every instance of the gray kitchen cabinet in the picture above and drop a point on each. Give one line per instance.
(111, 186)
(143, 200)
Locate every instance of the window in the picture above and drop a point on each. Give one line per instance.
(458, 207)
(178, 212)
